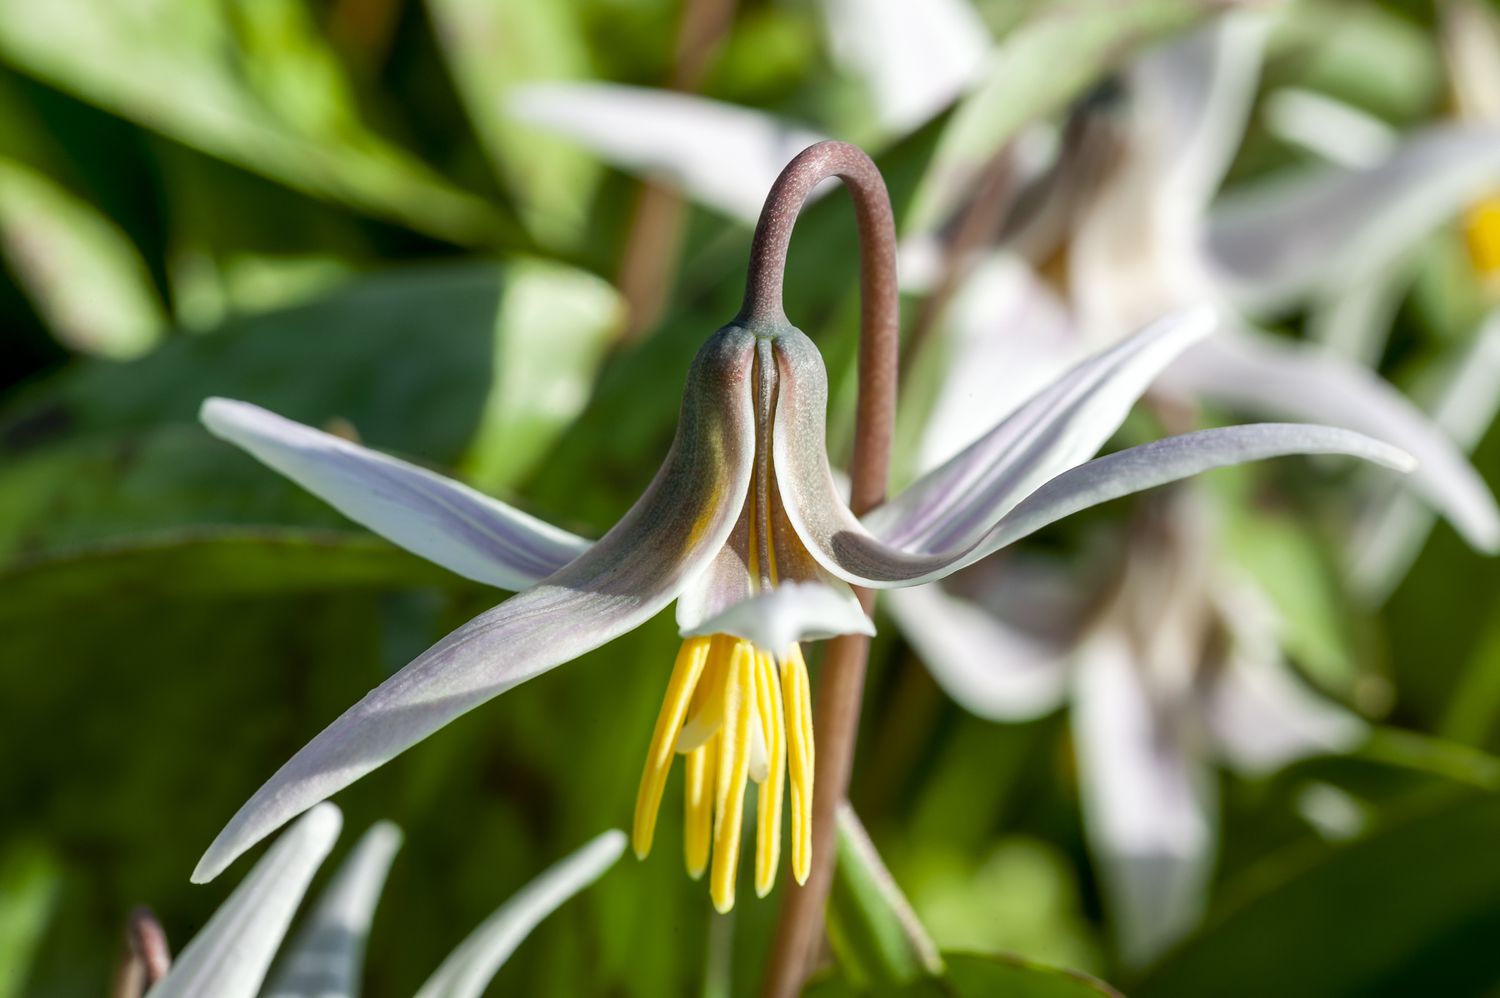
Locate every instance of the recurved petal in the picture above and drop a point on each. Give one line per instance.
(988, 666)
(776, 618)
(468, 969)
(639, 567)
(1303, 382)
(721, 155)
(1148, 803)
(326, 957)
(229, 957)
(1060, 426)
(438, 518)
(1328, 227)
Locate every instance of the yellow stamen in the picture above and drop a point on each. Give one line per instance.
(1482, 227)
(734, 769)
(685, 675)
(706, 711)
(768, 810)
(699, 772)
(799, 744)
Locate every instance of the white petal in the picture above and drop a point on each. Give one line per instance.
(229, 957)
(1148, 804)
(326, 957)
(438, 518)
(723, 156)
(1285, 379)
(1330, 227)
(1058, 428)
(1389, 536)
(790, 612)
(468, 969)
(916, 58)
(1007, 336)
(1263, 718)
(989, 667)
(634, 571)
(1338, 132)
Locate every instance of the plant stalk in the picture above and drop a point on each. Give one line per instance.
(842, 679)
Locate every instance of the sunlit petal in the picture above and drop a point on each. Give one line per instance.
(229, 957)
(469, 969)
(724, 156)
(1286, 379)
(442, 520)
(682, 520)
(791, 612)
(326, 957)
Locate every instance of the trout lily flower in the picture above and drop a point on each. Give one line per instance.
(233, 953)
(745, 528)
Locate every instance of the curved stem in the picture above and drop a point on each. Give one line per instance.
(841, 682)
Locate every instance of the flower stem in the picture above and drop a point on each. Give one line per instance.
(841, 682)
(147, 956)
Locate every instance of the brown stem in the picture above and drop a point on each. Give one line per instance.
(147, 955)
(841, 682)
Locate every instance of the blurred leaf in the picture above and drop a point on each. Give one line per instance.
(1061, 49)
(29, 880)
(80, 270)
(874, 932)
(267, 98)
(493, 44)
(1411, 909)
(971, 975)
(554, 326)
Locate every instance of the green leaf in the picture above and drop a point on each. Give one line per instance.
(30, 879)
(491, 45)
(874, 931)
(1411, 909)
(971, 975)
(260, 91)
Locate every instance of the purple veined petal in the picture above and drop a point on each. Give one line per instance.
(848, 550)
(1294, 381)
(325, 959)
(1328, 227)
(229, 957)
(916, 59)
(632, 573)
(988, 666)
(1389, 535)
(1197, 92)
(779, 617)
(1148, 803)
(469, 969)
(1007, 336)
(721, 155)
(1059, 427)
(440, 519)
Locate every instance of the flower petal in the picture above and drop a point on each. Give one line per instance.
(229, 957)
(639, 567)
(915, 58)
(1148, 804)
(1059, 427)
(1328, 227)
(326, 957)
(469, 969)
(1389, 535)
(989, 667)
(438, 518)
(724, 156)
(1303, 382)
(785, 614)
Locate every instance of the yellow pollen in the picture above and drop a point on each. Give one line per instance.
(738, 717)
(1482, 229)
